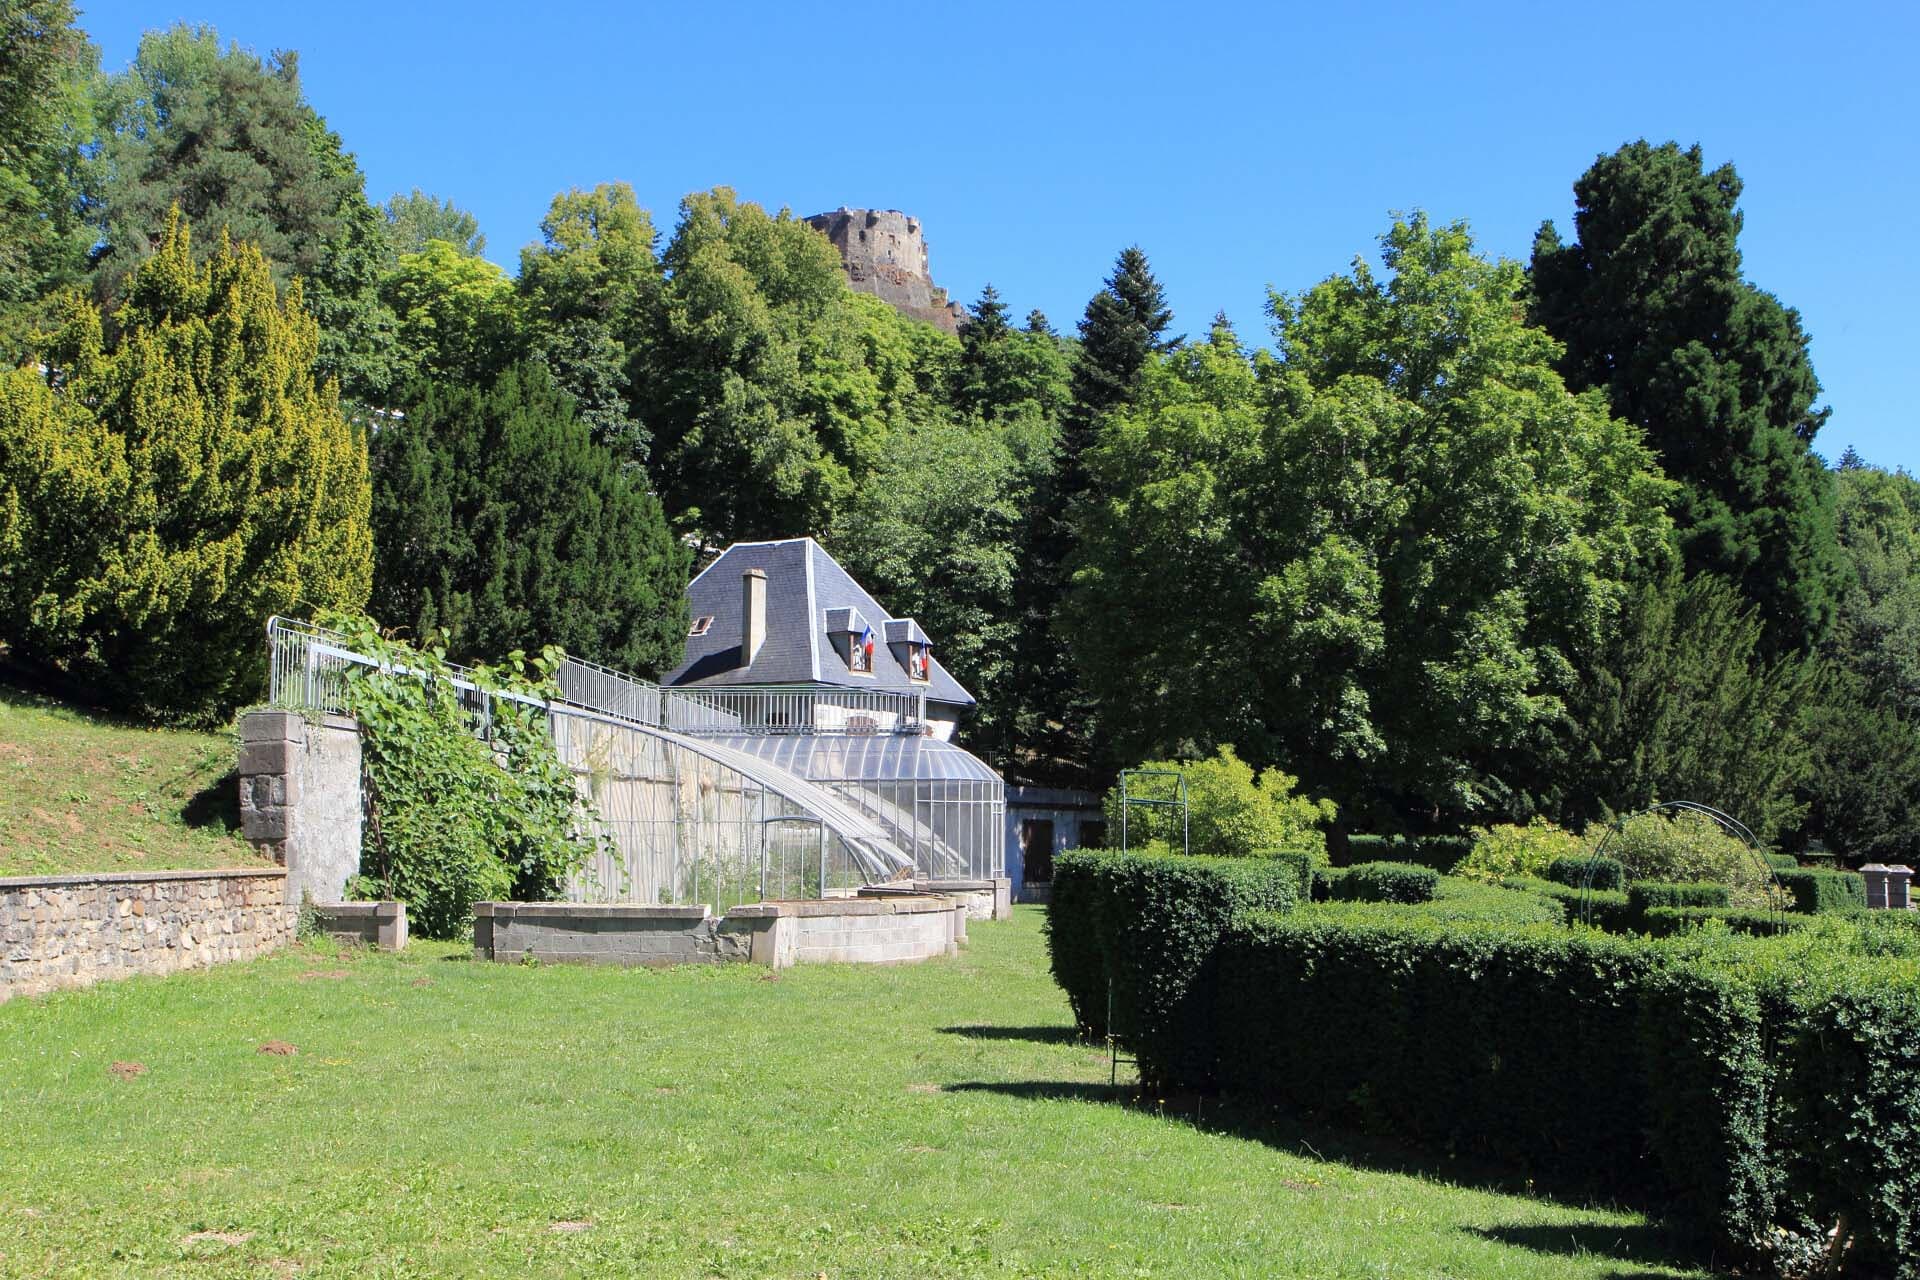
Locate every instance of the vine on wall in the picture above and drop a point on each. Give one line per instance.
(467, 802)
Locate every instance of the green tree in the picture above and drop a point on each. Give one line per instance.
(497, 519)
(764, 376)
(1232, 811)
(231, 141)
(1685, 704)
(1652, 308)
(47, 69)
(458, 317)
(591, 287)
(1388, 559)
(415, 218)
(161, 495)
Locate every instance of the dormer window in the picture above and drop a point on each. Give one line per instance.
(860, 653)
(919, 660)
(700, 627)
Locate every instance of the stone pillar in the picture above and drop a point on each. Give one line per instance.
(300, 798)
(1876, 878)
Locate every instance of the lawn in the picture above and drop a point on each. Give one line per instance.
(84, 793)
(431, 1116)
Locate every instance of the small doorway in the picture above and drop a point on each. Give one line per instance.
(1036, 850)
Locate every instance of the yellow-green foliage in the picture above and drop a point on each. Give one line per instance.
(1233, 812)
(1509, 850)
(163, 491)
(1691, 848)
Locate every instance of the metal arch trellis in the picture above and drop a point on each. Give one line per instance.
(1128, 800)
(1727, 821)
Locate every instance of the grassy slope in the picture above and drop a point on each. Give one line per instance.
(78, 793)
(444, 1117)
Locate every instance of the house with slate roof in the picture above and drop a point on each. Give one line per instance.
(786, 615)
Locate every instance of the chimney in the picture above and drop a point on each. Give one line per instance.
(753, 615)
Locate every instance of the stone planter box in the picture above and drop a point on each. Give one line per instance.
(382, 925)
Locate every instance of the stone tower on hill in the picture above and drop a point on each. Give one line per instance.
(886, 256)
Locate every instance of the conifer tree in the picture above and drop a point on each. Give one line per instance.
(498, 518)
(1651, 306)
(161, 495)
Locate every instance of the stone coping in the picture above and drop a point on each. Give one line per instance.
(958, 886)
(883, 906)
(359, 910)
(84, 878)
(598, 910)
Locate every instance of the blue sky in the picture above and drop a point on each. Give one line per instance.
(1241, 146)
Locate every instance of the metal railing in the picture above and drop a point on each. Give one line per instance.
(777, 710)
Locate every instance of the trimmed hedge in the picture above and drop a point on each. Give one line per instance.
(1749, 1088)
(1606, 909)
(1385, 882)
(1440, 853)
(1457, 898)
(1662, 922)
(1782, 861)
(1817, 891)
(1143, 926)
(1648, 894)
(1608, 874)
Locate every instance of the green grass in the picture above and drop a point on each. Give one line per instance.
(83, 793)
(449, 1118)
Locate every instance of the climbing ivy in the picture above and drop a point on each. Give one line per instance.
(468, 800)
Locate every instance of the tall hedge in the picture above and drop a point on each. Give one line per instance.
(1817, 891)
(1145, 926)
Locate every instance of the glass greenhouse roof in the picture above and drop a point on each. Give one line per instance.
(889, 757)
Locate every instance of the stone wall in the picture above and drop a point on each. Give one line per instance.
(300, 798)
(69, 931)
(885, 254)
(382, 925)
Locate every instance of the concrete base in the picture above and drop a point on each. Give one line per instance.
(880, 930)
(382, 925)
(988, 899)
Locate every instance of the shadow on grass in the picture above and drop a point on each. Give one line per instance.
(1038, 1035)
(1642, 1243)
(216, 805)
(1634, 1244)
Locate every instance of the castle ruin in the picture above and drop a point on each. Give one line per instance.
(885, 255)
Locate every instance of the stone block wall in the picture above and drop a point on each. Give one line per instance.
(382, 925)
(300, 798)
(70, 931)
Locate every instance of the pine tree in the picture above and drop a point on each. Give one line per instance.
(162, 495)
(1651, 306)
(498, 518)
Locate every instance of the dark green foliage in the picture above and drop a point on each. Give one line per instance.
(1305, 866)
(1683, 702)
(1606, 909)
(232, 143)
(458, 817)
(1148, 924)
(1456, 898)
(498, 519)
(1385, 882)
(1647, 894)
(1815, 891)
(1782, 861)
(1441, 853)
(1652, 308)
(47, 67)
(1662, 922)
(1588, 872)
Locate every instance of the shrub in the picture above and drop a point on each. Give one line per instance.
(1441, 853)
(1606, 909)
(1649, 894)
(1508, 850)
(1385, 882)
(458, 817)
(1572, 870)
(1782, 861)
(1664, 922)
(1146, 925)
(1232, 812)
(1690, 848)
(1814, 891)
(1455, 898)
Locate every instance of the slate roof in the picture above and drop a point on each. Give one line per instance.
(809, 597)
